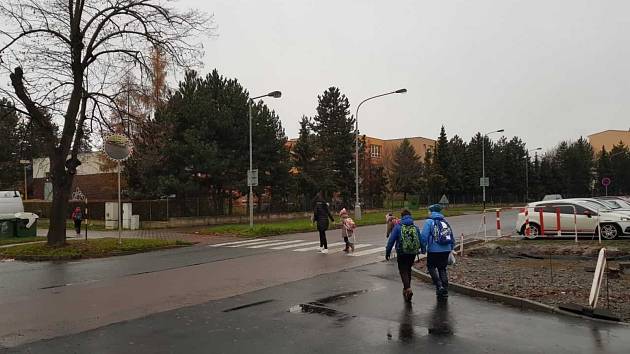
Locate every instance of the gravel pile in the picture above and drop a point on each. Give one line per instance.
(560, 279)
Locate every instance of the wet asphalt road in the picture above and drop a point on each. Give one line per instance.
(358, 310)
(20, 278)
(46, 300)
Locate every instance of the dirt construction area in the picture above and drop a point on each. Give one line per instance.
(547, 271)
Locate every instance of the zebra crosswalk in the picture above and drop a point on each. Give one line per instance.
(361, 249)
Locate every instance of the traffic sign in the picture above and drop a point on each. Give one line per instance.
(606, 181)
(252, 178)
(484, 182)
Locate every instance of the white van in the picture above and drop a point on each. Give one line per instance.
(11, 202)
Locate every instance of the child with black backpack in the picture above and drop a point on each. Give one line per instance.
(437, 239)
(406, 237)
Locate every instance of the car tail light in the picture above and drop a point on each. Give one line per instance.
(521, 211)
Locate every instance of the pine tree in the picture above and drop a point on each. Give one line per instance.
(305, 163)
(334, 127)
(620, 170)
(443, 153)
(12, 134)
(456, 175)
(407, 170)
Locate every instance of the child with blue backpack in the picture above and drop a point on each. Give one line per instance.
(406, 237)
(437, 240)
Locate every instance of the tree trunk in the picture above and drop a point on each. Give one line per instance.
(62, 184)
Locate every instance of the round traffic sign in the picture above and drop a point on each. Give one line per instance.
(606, 181)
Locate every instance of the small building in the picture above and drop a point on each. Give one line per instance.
(608, 139)
(96, 178)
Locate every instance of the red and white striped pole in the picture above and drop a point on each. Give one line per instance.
(499, 223)
(558, 222)
(528, 231)
(542, 222)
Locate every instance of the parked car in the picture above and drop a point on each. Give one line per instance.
(605, 204)
(583, 215)
(620, 201)
(551, 197)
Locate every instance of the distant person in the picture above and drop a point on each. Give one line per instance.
(321, 214)
(406, 237)
(347, 230)
(390, 222)
(77, 217)
(437, 239)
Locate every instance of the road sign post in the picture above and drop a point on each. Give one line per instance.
(118, 148)
(606, 181)
(252, 178)
(484, 182)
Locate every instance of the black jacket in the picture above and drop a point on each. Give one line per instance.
(321, 214)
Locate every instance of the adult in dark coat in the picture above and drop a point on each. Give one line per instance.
(321, 214)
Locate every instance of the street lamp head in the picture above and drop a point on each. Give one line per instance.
(537, 149)
(275, 94)
(500, 130)
(403, 90)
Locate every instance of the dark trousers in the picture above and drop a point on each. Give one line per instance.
(77, 226)
(347, 241)
(322, 239)
(436, 266)
(405, 261)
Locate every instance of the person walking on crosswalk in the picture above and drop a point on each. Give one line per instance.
(438, 241)
(321, 214)
(406, 237)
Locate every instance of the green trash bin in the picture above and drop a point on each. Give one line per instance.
(22, 231)
(7, 228)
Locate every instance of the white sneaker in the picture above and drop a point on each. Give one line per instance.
(325, 251)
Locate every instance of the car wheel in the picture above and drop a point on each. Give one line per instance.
(534, 231)
(610, 231)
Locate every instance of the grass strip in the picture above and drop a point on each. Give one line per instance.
(18, 240)
(305, 225)
(94, 248)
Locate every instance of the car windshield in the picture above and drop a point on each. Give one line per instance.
(592, 205)
(609, 204)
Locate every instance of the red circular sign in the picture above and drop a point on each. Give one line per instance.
(606, 181)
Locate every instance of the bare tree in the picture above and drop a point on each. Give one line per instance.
(66, 58)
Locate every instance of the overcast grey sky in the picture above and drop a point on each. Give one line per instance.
(543, 70)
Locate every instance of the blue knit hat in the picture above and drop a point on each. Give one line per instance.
(435, 208)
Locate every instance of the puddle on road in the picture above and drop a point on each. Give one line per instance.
(338, 297)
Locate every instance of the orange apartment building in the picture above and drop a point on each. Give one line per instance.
(608, 139)
(381, 151)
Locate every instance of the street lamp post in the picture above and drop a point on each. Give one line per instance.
(357, 205)
(25, 163)
(274, 94)
(527, 173)
(483, 163)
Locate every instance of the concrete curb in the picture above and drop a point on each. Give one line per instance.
(523, 304)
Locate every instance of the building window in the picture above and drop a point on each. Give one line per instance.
(375, 150)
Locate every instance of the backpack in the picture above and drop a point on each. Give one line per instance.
(442, 232)
(409, 242)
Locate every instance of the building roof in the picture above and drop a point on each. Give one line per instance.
(610, 130)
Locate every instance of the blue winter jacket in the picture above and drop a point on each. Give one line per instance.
(426, 238)
(394, 237)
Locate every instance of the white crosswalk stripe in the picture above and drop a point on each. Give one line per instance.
(255, 243)
(275, 244)
(362, 249)
(295, 245)
(370, 251)
(233, 243)
(317, 247)
(356, 247)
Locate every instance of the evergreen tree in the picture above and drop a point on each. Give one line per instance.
(12, 134)
(334, 127)
(604, 169)
(305, 163)
(456, 173)
(443, 156)
(620, 170)
(407, 170)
